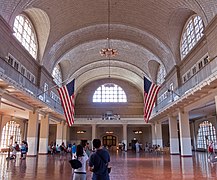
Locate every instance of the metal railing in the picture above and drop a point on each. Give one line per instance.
(187, 87)
(13, 77)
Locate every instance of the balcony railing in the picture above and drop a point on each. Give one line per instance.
(10, 75)
(188, 86)
(15, 78)
(112, 117)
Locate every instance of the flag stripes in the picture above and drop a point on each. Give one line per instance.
(150, 94)
(67, 100)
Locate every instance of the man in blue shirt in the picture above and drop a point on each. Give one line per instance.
(98, 162)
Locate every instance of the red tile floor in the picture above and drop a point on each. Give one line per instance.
(125, 166)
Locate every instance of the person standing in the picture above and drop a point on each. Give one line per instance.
(211, 151)
(23, 150)
(16, 148)
(137, 147)
(99, 161)
(87, 149)
(26, 145)
(73, 151)
(80, 173)
(123, 146)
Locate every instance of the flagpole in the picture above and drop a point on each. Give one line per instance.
(173, 92)
(169, 90)
(51, 88)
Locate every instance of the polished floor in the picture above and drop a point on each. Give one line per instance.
(125, 166)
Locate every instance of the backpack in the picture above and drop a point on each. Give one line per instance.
(75, 163)
(17, 148)
(210, 149)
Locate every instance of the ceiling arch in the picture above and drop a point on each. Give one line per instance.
(153, 68)
(125, 35)
(108, 64)
(102, 73)
(89, 54)
(41, 23)
(72, 32)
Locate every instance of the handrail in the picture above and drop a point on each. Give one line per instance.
(187, 87)
(9, 74)
(15, 78)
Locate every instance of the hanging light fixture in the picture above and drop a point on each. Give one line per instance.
(108, 52)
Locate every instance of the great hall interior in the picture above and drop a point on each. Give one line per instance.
(108, 47)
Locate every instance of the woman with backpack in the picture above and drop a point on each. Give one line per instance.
(80, 173)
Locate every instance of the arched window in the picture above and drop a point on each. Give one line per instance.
(25, 33)
(161, 74)
(10, 134)
(109, 93)
(206, 133)
(192, 32)
(57, 75)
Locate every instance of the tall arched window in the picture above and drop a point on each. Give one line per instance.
(25, 33)
(192, 32)
(206, 133)
(109, 93)
(57, 75)
(161, 74)
(10, 134)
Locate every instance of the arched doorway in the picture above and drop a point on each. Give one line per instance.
(109, 141)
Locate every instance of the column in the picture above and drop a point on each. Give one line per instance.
(158, 132)
(44, 131)
(185, 138)
(216, 109)
(25, 130)
(194, 136)
(174, 140)
(59, 136)
(65, 127)
(1, 116)
(153, 134)
(125, 136)
(93, 131)
(32, 133)
(0, 99)
(1, 93)
(1, 128)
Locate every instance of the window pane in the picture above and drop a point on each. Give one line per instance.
(57, 75)
(10, 134)
(24, 31)
(110, 93)
(161, 74)
(193, 32)
(206, 133)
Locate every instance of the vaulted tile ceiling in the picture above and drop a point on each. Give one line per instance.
(146, 33)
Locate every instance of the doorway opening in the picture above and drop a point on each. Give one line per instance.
(109, 141)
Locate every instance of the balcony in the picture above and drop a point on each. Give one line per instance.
(17, 82)
(203, 77)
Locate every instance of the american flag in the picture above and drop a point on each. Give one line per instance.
(150, 94)
(67, 98)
